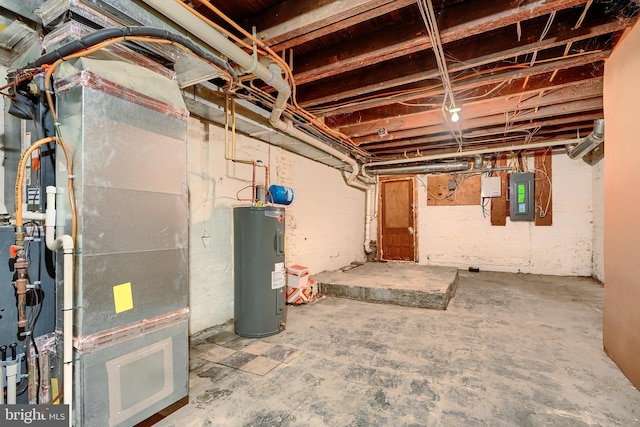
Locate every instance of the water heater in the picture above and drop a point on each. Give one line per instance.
(259, 271)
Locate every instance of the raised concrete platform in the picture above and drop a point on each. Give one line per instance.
(404, 284)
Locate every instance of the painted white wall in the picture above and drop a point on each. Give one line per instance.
(324, 224)
(460, 236)
(598, 220)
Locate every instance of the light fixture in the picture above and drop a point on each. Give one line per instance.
(454, 113)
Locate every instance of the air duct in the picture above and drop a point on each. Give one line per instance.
(178, 14)
(587, 144)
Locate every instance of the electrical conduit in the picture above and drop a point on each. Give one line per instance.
(66, 243)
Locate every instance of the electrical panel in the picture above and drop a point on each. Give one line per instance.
(521, 197)
(491, 186)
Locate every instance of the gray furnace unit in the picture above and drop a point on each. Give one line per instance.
(126, 127)
(259, 270)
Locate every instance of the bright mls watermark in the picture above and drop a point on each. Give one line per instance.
(34, 415)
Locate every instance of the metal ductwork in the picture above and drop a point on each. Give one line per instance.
(433, 167)
(587, 144)
(250, 64)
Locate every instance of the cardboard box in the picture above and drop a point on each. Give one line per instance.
(297, 276)
(303, 294)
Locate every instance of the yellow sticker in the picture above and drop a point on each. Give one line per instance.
(122, 297)
(54, 390)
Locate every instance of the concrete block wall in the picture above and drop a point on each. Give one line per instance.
(324, 224)
(460, 236)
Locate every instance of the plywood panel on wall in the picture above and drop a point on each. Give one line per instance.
(467, 190)
(543, 180)
(499, 205)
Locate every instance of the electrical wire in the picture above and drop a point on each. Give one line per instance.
(545, 175)
(264, 49)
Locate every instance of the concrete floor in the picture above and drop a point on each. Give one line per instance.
(510, 350)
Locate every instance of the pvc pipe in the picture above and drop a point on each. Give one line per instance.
(66, 243)
(367, 220)
(1, 386)
(202, 30)
(12, 377)
(213, 38)
(33, 216)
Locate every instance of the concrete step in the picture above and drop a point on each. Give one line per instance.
(403, 284)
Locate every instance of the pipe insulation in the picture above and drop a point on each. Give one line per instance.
(220, 43)
(434, 167)
(100, 36)
(217, 41)
(588, 143)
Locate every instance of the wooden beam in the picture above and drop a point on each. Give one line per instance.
(452, 144)
(422, 67)
(461, 20)
(417, 136)
(564, 109)
(344, 115)
(293, 23)
(511, 104)
(444, 140)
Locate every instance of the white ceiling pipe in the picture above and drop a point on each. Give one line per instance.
(209, 35)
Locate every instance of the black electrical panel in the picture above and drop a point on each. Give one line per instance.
(521, 197)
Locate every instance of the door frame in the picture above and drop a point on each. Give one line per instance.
(414, 211)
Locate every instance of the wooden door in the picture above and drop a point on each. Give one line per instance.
(397, 222)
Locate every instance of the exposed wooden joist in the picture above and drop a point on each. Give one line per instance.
(374, 114)
(564, 109)
(585, 89)
(295, 22)
(463, 20)
(413, 69)
(421, 149)
(418, 139)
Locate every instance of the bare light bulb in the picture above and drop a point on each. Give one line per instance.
(454, 114)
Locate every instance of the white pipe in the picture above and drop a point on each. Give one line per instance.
(289, 129)
(1, 386)
(12, 376)
(209, 35)
(66, 243)
(33, 216)
(367, 220)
